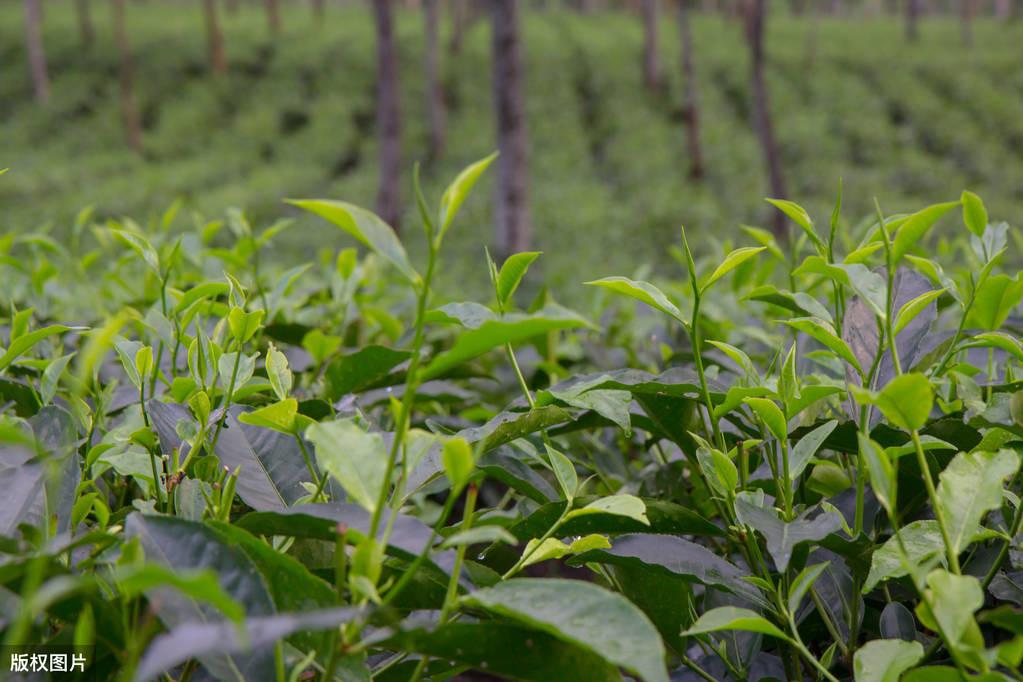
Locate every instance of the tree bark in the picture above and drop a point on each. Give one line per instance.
(511, 210)
(214, 38)
(434, 87)
(36, 51)
(756, 18)
(966, 9)
(86, 31)
(273, 16)
(912, 18)
(1003, 10)
(651, 59)
(388, 116)
(319, 11)
(459, 18)
(129, 109)
(690, 93)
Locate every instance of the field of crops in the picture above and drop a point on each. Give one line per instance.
(910, 124)
(788, 463)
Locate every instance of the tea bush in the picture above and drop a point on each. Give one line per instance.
(794, 460)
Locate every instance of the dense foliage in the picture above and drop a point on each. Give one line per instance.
(795, 461)
(294, 116)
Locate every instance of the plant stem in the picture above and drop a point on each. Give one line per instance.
(543, 538)
(932, 495)
(694, 339)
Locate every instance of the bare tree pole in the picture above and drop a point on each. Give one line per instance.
(756, 18)
(459, 17)
(86, 32)
(651, 60)
(273, 16)
(966, 10)
(214, 38)
(511, 211)
(36, 51)
(319, 11)
(388, 116)
(129, 109)
(690, 93)
(434, 89)
(912, 18)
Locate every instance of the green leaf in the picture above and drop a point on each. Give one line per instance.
(913, 227)
(884, 660)
(641, 291)
(922, 540)
(771, 415)
(911, 309)
(25, 342)
(244, 325)
(366, 227)
(974, 213)
(802, 584)
(906, 401)
(782, 536)
(882, 476)
(356, 458)
(278, 372)
(731, 261)
(552, 548)
(955, 599)
(140, 245)
(996, 297)
(511, 328)
(870, 286)
(583, 614)
(200, 585)
(279, 417)
(512, 272)
(734, 618)
(823, 332)
(458, 462)
(1001, 340)
(970, 486)
(458, 190)
(799, 215)
(479, 535)
(619, 505)
(360, 370)
(564, 471)
(807, 447)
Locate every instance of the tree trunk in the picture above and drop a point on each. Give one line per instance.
(319, 11)
(36, 51)
(1003, 9)
(214, 38)
(129, 109)
(651, 61)
(511, 210)
(86, 32)
(912, 18)
(756, 11)
(273, 16)
(232, 7)
(434, 88)
(388, 116)
(459, 18)
(690, 94)
(966, 9)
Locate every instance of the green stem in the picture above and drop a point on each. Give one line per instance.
(694, 339)
(543, 538)
(932, 495)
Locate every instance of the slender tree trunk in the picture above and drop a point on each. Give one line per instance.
(232, 7)
(434, 88)
(1003, 9)
(36, 51)
(319, 11)
(966, 9)
(86, 32)
(912, 18)
(388, 116)
(512, 206)
(459, 17)
(214, 38)
(273, 16)
(129, 109)
(651, 59)
(756, 18)
(690, 93)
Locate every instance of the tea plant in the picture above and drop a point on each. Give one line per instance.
(796, 461)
